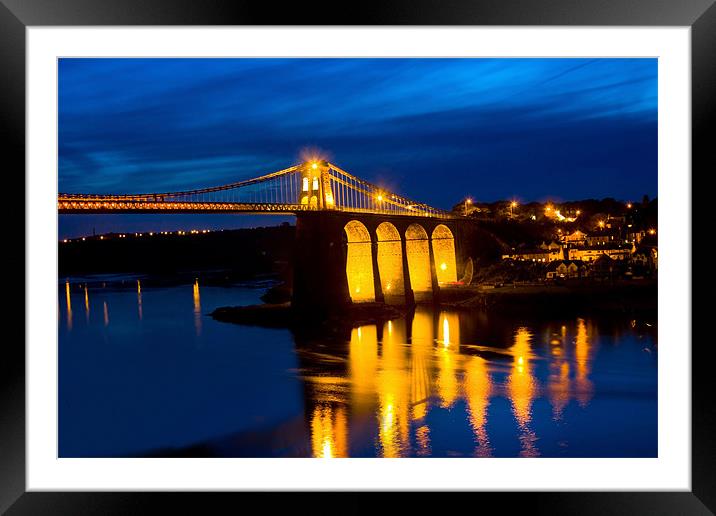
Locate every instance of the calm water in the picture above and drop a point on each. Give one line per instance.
(143, 371)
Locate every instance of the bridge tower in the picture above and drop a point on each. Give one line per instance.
(316, 185)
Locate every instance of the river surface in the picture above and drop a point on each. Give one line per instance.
(144, 371)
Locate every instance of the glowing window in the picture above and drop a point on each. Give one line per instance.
(315, 183)
(305, 184)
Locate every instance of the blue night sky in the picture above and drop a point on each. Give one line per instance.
(432, 129)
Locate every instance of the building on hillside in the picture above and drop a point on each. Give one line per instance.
(647, 257)
(566, 269)
(575, 238)
(552, 246)
(615, 222)
(635, 236)
(603, 267)
(540, 254)
(602, 237)
(591, 253)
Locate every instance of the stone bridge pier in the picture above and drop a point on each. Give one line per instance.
(344, 258)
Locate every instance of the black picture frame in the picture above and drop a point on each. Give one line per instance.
(17, 15)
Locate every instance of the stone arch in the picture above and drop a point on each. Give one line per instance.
(444, 253)
(390, 263)
(417, 249)
(359, 263)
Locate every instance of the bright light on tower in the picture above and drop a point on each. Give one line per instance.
(314, 166)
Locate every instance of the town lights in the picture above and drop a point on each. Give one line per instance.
(601, 224)
(629, 205)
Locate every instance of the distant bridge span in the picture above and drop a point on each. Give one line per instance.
(355, 241)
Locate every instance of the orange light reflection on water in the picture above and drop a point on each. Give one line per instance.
(395, 373)
(582, 356)
(393, 393)
(87, 308)
(522, 389)
(478, 389)
(329, 431)
(197, 308)
(139, 299)
(69, 304)
(448, 358)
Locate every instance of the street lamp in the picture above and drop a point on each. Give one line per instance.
(513, 205)
(467, 201)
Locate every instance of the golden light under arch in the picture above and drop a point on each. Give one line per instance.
(359, 263)
(390, 263)
(444, 253)
(417, 247)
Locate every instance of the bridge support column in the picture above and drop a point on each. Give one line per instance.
(319, 276)
(409, 295)
(378, 285)
(433, 272)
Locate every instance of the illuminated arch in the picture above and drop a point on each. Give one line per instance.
(359, 263)
(417, 249)
(390, 262)
(444, 253)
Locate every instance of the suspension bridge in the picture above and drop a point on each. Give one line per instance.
(309, 186)
(355, 241)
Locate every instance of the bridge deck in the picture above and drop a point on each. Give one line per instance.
(76, 206)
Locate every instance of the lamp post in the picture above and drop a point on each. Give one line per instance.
(467, 201)
(513, 204)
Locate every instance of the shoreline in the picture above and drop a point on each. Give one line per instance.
(603, 296)
(556, 300)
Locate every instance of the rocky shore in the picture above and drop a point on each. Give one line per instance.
(283, 315)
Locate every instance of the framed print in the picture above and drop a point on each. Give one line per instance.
(411, 249)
